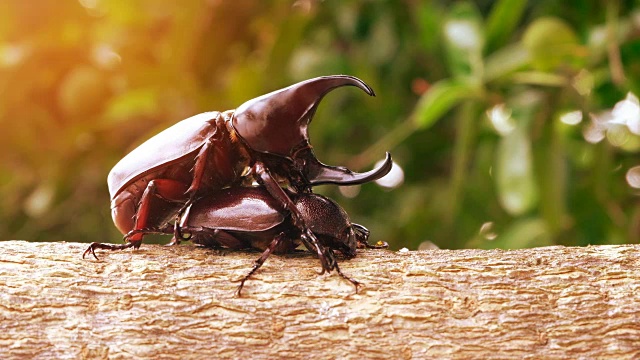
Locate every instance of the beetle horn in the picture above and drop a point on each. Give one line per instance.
(278, 122)
(318, 173)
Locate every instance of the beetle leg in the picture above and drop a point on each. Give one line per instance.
(134, 244)
(96, 245)
(333, 263)
(168, 190)
(274, 243)
(199, 167)
(355, 283)
(173, 242)
(181, 219)
(215, 238)
(198, 170)
(308, 238)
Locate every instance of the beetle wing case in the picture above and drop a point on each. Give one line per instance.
(237, 209)
(185, 138)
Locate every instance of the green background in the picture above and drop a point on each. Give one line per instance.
(471, 101)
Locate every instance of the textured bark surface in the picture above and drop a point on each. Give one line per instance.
(178, 303)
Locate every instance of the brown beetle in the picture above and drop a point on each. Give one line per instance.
(265, 139)
(249, 217)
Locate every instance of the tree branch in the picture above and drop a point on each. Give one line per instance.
(178, 303)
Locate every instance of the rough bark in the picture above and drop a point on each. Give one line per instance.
(179, 303)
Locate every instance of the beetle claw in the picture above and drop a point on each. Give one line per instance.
(355, 283)
(96, 245)
(90, 250)
(238, 292)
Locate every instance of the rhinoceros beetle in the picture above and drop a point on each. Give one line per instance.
(265, 139)
(249, 217)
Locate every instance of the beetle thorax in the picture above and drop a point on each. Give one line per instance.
(242, 152)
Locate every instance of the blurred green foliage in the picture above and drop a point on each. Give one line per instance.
(515, 122)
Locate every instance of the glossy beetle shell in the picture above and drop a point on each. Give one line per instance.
(237, 209)
(252, 215)
(285, 114)
(172, 145)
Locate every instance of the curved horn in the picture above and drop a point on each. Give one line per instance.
(318, 173)
(277, 122)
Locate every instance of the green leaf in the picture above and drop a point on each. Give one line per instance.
(550, 164)
(553, 44)
(505, 61)
(505, 16)
(429, 17)
(539, 78)
(463, 32)
(517, 189)
(440, 98)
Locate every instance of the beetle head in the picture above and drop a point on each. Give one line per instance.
(278, 122)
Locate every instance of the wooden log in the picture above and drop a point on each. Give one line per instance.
(178, 303)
